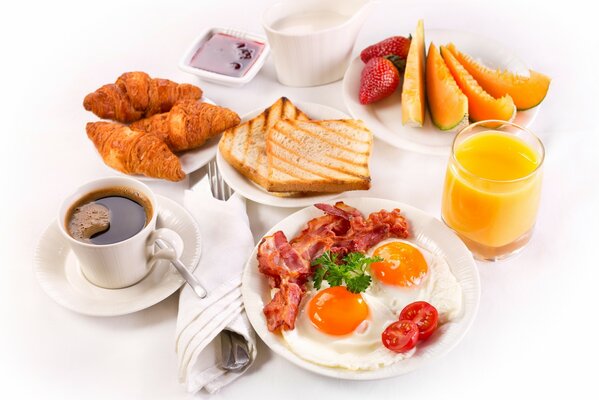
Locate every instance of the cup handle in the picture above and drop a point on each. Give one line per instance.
(174, 251)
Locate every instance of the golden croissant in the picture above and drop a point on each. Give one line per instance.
(134, 152)
(189, 124)
(135, 95)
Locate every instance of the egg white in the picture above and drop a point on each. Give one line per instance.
(363, 349)
(439, 286)
(359, 350)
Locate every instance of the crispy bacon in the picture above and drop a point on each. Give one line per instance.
(279, 261)
(282, 310)
(398, 225)
(343, 229)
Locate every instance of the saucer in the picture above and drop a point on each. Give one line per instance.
(59, 275)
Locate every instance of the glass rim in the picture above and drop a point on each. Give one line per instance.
(500, 181)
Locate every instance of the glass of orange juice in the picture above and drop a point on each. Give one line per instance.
(492, 187)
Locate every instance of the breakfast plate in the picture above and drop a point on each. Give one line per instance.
(191, 160)
(427, 232)
(60, 276)
(384, 117)
(251, 191)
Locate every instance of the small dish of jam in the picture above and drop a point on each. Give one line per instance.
(226, 56)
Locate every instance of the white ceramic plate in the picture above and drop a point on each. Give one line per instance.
(250, 190)
(384, 117)
(58, 272)
(428, 232)
(191, 160)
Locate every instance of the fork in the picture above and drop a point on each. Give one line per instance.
(234, 348)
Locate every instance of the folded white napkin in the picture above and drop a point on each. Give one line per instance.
(226, 244)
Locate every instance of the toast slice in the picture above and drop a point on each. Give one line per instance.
(318, 156)
(244, 146)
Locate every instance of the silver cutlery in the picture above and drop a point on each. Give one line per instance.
(185, 273)
(234, 348)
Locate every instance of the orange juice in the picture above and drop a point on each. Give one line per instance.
(492, 191)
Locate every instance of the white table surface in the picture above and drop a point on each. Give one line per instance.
(536, 328)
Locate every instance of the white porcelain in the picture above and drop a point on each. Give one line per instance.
(250, 190)
(232, 81)
(124, 263)
(59, 274)
(317, 49)
(426, 231)
(384, 117)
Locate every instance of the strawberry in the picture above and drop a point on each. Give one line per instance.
(397, 45)
(380, 78)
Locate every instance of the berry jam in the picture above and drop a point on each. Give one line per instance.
(227, 55)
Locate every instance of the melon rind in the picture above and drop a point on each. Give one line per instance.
(447, 105)
(481, 105)
(526, 91)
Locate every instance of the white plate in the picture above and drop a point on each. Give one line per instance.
(384, 117)
(58, 272)
(250, 190)
(191, 160)
(427, 231)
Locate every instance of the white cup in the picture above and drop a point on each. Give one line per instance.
(312, 40)
(123, 263)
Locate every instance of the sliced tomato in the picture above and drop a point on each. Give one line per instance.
(424, 315)
(400, 336)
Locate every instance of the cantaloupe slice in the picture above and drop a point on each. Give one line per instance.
(413, 98)
(481, 105)
(527, 92)
(447, 104)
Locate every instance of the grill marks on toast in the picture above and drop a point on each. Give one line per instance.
(285, 152)
(320, 155)
(244, 146)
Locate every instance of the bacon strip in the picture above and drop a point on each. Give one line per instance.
(279, 261)
(282, 310)
(343, 229)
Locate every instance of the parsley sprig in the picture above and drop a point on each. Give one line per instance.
(351, 270)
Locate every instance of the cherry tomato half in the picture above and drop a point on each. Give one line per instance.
(424, 315)
(400, 336)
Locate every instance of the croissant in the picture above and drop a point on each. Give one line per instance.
(134, 152)
(189, 124)
(135, 95)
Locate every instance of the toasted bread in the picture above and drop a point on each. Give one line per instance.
(318, 156)
(244, 146)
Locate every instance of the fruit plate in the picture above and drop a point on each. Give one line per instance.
(252, 191)
(384, 117)
(426, 231)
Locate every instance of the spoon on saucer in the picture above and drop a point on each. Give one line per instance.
(185, 273)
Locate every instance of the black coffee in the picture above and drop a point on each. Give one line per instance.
(108, 216)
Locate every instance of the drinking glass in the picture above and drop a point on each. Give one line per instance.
(492, 187)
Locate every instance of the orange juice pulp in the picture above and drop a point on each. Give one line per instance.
(492, 188)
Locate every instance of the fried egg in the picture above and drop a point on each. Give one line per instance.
(410, 273)
(337, 328)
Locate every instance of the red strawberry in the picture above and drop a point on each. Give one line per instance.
(380, 78)
(397, 45)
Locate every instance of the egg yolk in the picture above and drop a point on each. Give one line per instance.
(337, 311)
(403, 265)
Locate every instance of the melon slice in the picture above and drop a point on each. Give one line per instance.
(527, 92)
(481, 105)
(413, 95)
(446, 102)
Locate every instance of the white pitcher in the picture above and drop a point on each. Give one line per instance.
(312, 40)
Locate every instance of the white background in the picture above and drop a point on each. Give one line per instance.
(536, 331)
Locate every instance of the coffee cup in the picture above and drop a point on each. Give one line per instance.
(111, 261)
